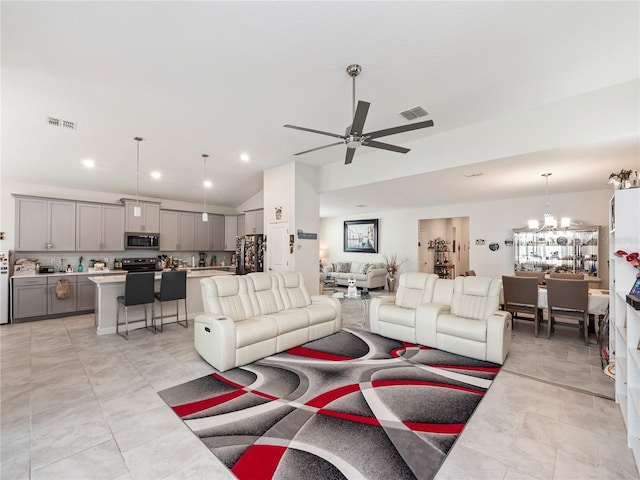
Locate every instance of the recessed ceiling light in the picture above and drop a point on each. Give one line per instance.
(477, 174)
(207, 183)
(88, 163)
(360, 205)
(244, 157)
(156, 175)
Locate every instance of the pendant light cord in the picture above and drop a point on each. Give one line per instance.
(138, 140)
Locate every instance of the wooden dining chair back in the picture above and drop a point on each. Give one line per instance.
(521, 297)
(570, 299)
(538, 275)
(567, 276)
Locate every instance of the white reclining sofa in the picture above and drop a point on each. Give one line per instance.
(460, 316)
(256, 315)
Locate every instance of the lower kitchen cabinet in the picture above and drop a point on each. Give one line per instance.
(56, 305)
(86, 295)
(29, 297)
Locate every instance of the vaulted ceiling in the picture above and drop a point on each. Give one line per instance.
(515, 89)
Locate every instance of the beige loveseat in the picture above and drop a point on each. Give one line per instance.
(369, 275)
(256, 315)
(459, 316)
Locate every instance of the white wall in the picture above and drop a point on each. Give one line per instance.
(492, 221)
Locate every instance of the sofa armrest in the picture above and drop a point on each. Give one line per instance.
(374, 310)
(215, 340)
(334, 302)
(426, 322)
(498, 336)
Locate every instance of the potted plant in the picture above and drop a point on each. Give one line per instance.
(392, 264)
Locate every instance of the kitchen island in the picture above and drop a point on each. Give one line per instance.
(109, 288)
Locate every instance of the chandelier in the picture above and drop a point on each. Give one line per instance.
(550, 221)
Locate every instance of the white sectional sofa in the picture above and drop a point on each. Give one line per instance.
(256, 315)
(459, 316)
(369, 275)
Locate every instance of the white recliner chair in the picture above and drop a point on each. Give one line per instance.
(395, 316)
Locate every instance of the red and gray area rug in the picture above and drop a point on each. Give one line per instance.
(353, 405)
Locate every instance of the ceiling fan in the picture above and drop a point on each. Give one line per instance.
(353, 137)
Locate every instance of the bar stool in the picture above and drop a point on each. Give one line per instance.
(138, 290)
(173, 286)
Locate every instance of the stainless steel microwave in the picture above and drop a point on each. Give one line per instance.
(141, 241)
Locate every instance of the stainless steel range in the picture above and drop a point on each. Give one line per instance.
(140, 264)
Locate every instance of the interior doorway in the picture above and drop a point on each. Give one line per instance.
(443, 246)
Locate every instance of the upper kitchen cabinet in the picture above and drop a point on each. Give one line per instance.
(99, 227)
(45, 225)
(202, 233)
(240, 226)
(216, 232)
(253, 222)
(148, 221)
(230, 232)
(177, 230)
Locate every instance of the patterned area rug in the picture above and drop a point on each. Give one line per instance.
(352, 405)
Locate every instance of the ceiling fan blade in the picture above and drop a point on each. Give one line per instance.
(358, 119)
(349, 157)
(400, 129)
(319, 148)
(385, 146)
(315, 131)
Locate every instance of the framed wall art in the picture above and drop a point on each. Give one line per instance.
(361, 236)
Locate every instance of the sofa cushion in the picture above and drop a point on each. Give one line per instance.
(292, 290)
(227, 295)
(475, 297)
(397, 315)
(263, 290)
(254, 330)
(364, 268)
(455, 326)
(290, 320)
(320, 313)
(414, 289)
(343, 267)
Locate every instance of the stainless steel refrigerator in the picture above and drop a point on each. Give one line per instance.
(249, 254)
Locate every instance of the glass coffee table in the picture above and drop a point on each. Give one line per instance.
(364, 299)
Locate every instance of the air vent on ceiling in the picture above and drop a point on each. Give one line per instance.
(56, 122)
(413, 113)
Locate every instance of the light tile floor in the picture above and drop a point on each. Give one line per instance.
(74, 405)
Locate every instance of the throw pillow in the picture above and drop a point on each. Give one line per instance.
(364, 268)
(327, 269)
(343, 267)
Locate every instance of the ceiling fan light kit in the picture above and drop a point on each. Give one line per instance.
(354, 136)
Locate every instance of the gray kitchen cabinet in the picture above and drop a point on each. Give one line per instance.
(86, 295)
(253, 222)
(186, 231)
(241, 226)
(168, 230)
(29, 297)
(99, 227)
(55, 305)
(148, 221)
(230, 232)
(45, 224)
(216, 232)
(202, 233)
(177, 230)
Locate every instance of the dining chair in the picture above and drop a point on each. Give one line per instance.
(568, 298)
(173, 287)
(567, 276)
(538, 275)
(138, 290)
(521, 297)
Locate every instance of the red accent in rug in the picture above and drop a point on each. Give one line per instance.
(259, 462)
(309, 353)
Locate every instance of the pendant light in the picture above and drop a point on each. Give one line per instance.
(137, 212)
(550, 221)
(205, 215)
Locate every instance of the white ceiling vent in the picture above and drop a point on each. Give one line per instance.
(56, 122)
(413, 113)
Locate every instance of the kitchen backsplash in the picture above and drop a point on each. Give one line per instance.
(73, 258)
